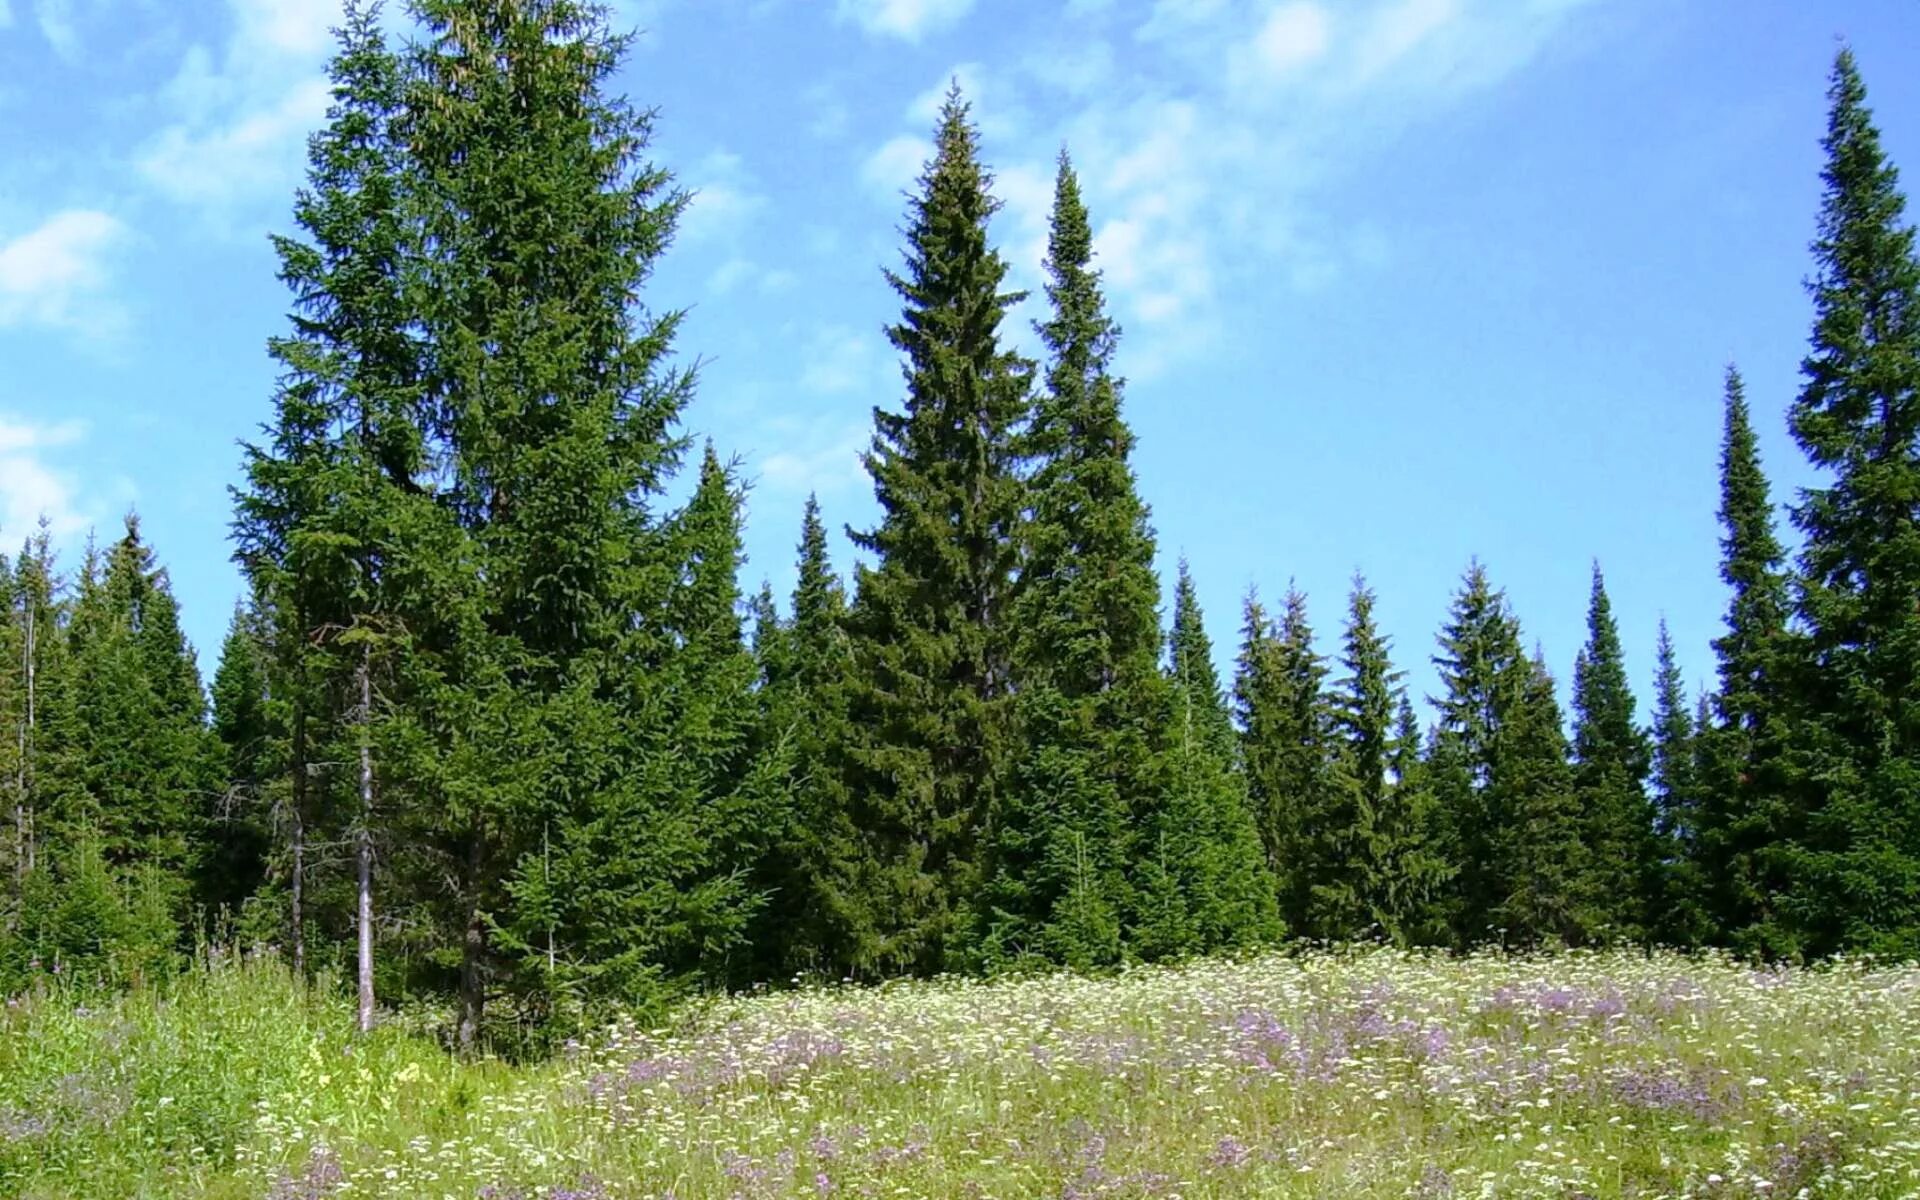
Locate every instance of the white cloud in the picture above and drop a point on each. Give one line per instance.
(843, 361)
(6, 15)
(53, 275)
(257, 152)
(1293, 35)
(1208, 150)
(819, 455)
(894, 166)
(56, 21)
(238, 121)
(725, 200)
(1399, 29)
(299, 28)
(31, 487)
(909, 20)
(738, 272)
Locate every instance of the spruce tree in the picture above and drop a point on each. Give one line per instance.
(1540, 855)
(1287, 743)
(1086, 641)
(642, 883)
(1382, 870)
(812, 918)
(1611, 760)
(1855, 864)
(1479, 653)
(1742, 789)
(1202, 882)
(237, 842)
(929, 698)
(1415, 874)
(1502, 786)
(36, 619)
(1680, 915)
(337, 509)
(552, 401)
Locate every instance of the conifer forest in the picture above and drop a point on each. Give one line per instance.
(503, 750)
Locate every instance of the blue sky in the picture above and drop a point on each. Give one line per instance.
(1404, 281)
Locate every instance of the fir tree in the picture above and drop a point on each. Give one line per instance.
(1611, 760)
(1086, 643)
(1741, 783)
(1855, 862)
(554, 403)
(929, 699)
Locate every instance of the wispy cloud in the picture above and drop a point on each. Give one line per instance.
(1209, 141)
(909, 20)
(56, 21)
(818, 454)
(32, 486)
(56, 275)
(726, 199)
(237, 119)
(896, 164)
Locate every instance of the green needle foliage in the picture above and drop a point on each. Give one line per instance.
(1611, 761)
(1741, 763)
(1086, 640)
(1854, 861)
(1203, 882)
(929, 702)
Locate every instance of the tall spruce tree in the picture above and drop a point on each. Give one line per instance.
(1611, 760)
(1742, 788)
(552, 393)
(930, 694)
(336, 505)
(1085, 653)
(1203, 883)
(1855, 861)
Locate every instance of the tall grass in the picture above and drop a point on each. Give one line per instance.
(1363, 1073)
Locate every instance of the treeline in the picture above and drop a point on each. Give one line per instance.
(496, 724)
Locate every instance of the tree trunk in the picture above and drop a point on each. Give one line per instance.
(473, 993)
(299, 837)
(363, 845)
(22, 802)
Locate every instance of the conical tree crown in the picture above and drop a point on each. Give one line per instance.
(932, 673)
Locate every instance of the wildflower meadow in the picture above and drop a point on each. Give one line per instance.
(1333, 1073)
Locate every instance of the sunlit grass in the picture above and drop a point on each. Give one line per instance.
(1365, 1073)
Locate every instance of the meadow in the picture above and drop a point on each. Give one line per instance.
(1325, 1074)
